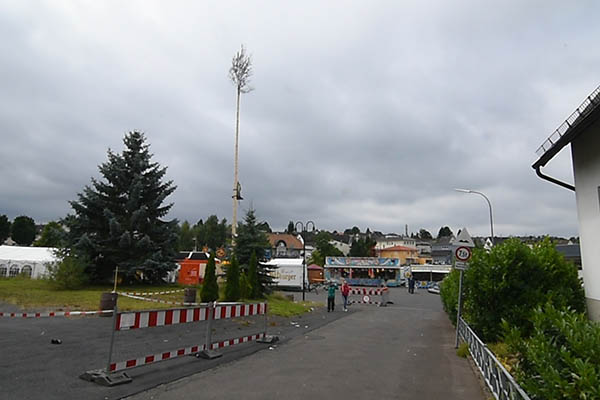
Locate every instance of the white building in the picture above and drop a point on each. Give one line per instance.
(29, 261)
(393, 241)
(582, 131)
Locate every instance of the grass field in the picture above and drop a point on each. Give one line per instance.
(40, 295)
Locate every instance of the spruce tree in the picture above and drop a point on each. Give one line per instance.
(118, 220)
(210, 287)
(232, 286)
(253, 283)
(251, 239)
(244, 286)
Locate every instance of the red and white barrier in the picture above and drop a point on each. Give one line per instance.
(223, 311)
(123, 321)
(138, 362)
(366, 293)
(173, 303)
(152, 293)
(53, 314)
(149, 319)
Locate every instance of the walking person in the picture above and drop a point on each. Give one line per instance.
(345, 292)
(411, 285)
(331, 297)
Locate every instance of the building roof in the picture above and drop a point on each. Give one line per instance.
(285, 262)
(18, 253)
(314, 266)
(569, 250)
(291, 241)
(399, 248)
(585, 115)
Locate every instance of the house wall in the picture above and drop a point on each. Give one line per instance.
(403, 255)
(586, 168)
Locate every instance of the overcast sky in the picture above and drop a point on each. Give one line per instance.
(365, 113)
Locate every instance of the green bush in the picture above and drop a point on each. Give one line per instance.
(210, 287)
(561, 359)
(449, 294)
(68, 272)
(232, 286)
(511, 280)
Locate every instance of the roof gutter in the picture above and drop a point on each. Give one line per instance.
(552, 180)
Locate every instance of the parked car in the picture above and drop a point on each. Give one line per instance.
(435, 288)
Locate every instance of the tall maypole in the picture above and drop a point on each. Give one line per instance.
(239, 73)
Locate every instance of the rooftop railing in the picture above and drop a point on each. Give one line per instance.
(590, 104)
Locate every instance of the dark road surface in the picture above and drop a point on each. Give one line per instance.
(401, 351)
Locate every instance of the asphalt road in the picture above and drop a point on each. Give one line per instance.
(403, 351)
(31, 367)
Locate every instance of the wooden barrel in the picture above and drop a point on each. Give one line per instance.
(189, 295)
(107, 302)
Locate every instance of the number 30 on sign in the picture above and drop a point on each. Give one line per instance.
(463, 254)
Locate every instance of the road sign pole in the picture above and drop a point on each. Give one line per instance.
(459, 307)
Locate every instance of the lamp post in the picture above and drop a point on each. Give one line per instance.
(304, 227)
(489, 205)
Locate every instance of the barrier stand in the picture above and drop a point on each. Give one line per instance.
(208, 353)
(268, 339)
(123, 321)
(105, 377)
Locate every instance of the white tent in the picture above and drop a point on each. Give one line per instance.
(29, 261)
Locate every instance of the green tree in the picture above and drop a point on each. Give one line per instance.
(118, 221)
(324, 247)
(232, 285)
(253, 282)
(424, 234)
(511, 280)
(68, 273)
(444, 232)
(53, 235)
(290, 228)
(213, 233)
(244, 286)
(316, 258)
(251, 239)
(4, 228)
(210, 287)
(362, 247)
(23, 230)
(186, 237)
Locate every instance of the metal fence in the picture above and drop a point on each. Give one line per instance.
(590, 103)
(502, 385)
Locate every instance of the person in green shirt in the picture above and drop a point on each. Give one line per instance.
(331, 296)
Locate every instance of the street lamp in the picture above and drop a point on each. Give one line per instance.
(304, 227)
(490, 206)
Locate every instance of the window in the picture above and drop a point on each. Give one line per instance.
(3, 270)
(281, 250)
(26, 271)
(14, 271)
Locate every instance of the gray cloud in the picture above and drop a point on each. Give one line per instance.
(366, 114)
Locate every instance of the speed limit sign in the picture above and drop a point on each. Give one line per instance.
(463, 253)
